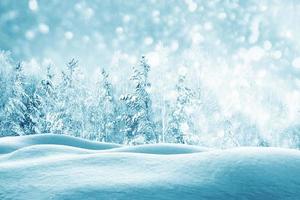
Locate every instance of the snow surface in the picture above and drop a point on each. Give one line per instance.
(61, 167)
(10, 144)
(161, 149)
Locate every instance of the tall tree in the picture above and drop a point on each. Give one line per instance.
(22, 109)
(108, 105)
(50, 122)
(139, 126)
(104, 112)
(70, 101)
(6, 83)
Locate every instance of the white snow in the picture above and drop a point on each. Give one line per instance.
(296, 63)
(10, 144)
(161, 149)
(69, 35)
(30, 34)
(255, 53)
(148, 40)
(192, 6)
(53, 167)
(33, 5)
(254, 31)
(43, 28)
(267, 45)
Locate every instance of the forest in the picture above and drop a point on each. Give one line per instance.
(67, 105)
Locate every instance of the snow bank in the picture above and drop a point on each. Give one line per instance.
(162, 149)
(10, 144)
(67, 172)
(43, 152)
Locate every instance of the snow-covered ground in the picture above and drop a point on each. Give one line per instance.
(60, 167)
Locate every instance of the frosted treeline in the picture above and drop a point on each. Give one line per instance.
(65, 103)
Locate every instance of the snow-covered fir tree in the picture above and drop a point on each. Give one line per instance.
(23, 109)
(50, 122)
(104, 112)
(180, 124)
(6, 83)
(229, 137)
(6, 79)
(70, 102)
(138, 124)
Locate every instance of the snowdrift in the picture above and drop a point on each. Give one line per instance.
(10, 144)
(45, 170)
(161, 149)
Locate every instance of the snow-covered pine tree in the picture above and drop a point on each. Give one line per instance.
(103, 113)
(93, 118)
(22, 109)
(50, 122)
(180, 124)
(5, 87)
(70, 105)
(229, 139)
(139, 126)
(109, 107)
(5, 78)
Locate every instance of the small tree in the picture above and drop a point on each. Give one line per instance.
(179, 121)
(229, 139)
(139, 126)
